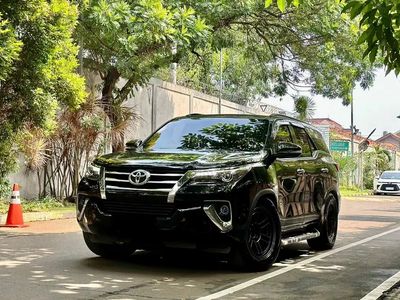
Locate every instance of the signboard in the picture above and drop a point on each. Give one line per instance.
(339, 146)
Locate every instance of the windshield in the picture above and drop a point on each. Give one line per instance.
(394, 175)
(202, 133)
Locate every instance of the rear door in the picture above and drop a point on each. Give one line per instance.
(321, 178)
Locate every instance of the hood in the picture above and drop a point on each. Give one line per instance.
(389, 181)
(183, 159)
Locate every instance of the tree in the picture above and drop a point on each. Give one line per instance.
(347, 167)
(269, 53)
(37, 69)
(228, 137)
(375, 163)
(380, 24)
(129, 40)
(304, 107)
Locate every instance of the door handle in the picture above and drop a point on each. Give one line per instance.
(325, 170)
(300, 171)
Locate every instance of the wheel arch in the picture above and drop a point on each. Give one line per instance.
(265, 195)
(335, 192)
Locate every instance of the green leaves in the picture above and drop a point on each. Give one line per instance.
(383, 20)
(283, 4)
(37, 68)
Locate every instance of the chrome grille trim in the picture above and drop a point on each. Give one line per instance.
(162, 180)
(118, 173)
(112, 187)
(115, 179)
(152, 174)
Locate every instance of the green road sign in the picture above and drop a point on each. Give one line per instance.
(339, 146)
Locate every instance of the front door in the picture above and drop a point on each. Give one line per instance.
(291, 183)
(307, 163)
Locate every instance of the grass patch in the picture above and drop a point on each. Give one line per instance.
(38, 205)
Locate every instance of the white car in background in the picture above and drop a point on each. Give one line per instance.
(388, 183)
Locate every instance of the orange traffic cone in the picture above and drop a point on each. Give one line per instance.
(14, 217)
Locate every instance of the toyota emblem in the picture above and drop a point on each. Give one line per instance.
(139, 177)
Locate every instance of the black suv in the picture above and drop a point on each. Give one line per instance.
(239, 184)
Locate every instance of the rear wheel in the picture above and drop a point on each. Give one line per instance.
(108, 250)
(262, 239)
(328, 226)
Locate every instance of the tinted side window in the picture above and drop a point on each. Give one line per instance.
(303, 141)
(318, 140)
(283, 134)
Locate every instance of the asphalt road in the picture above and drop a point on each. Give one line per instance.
(49, 260)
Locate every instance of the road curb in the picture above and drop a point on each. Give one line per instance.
(357, 195)
(41, 216)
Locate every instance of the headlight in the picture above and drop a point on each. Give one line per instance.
(227, 176)
(93, 172)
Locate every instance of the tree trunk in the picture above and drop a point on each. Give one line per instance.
(107, 100)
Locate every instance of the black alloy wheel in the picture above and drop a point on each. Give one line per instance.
(261, 236)
(331, 222)
(261, 244)
(328, 227)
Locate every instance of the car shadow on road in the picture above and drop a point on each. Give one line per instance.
(186, 261)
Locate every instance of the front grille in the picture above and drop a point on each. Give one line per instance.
(161, 180)
(125, 206)
(389, 187)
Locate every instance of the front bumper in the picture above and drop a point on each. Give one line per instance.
(379, 191)
(387, 188)
(200, 222)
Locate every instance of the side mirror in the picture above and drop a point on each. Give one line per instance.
(133, 145)
(287, 150)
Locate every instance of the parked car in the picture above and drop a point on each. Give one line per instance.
(242, 185)
(388, 183)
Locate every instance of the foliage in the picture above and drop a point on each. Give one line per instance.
(61, 158)
(380, 24)
(282, 4)
(44, 204)
(305, 107)
(374, 164)
(37, 68)
(131, 39)
(269, 53)
(228, 137)
(347, 166)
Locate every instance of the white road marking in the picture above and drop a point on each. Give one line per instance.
(262, 278)
(376, 293)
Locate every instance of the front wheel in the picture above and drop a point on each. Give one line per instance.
(112, 251)
(328, 227)
(262, 240)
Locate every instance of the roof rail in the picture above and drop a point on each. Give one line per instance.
(286, 117)
(193, 114)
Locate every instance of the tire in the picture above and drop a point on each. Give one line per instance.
(262, 239)
(112, 251)
(328, 227)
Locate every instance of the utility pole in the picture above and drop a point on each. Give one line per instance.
(355, 176)
(352, 125)
(173, 66)
(220, 83)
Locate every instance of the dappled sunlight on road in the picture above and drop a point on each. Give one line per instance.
(11, 258)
